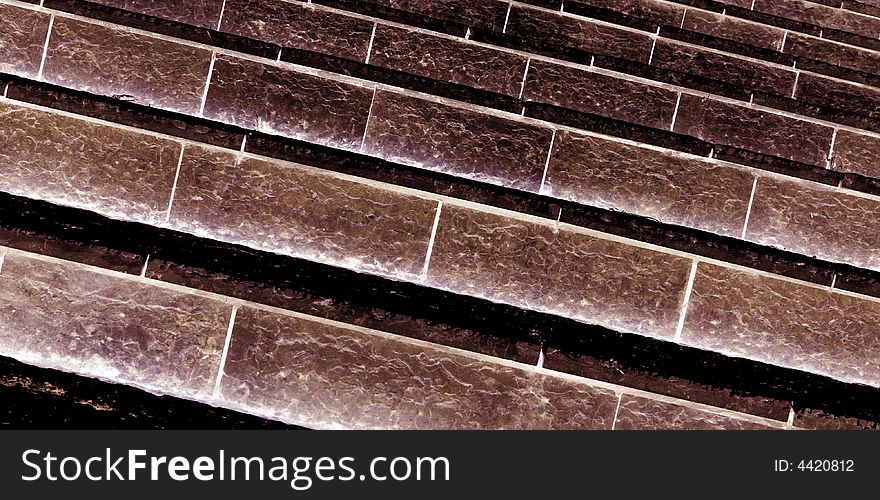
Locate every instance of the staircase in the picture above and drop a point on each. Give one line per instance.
(578, 214)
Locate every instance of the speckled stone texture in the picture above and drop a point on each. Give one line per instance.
(74, 162)
(301, 211)
(834, 53)
(286, 102)
(114, 62)
(22, 36)
(785, 323)
(667, 186)
(821, 15)
(858, 153)
(819, 420)
(813, 219)
(735, 29)
(292, 368)
(738, 3)
(754, 130)
(546, 26)
(537, 266)
(449, 60)
(600, 94)
(480, 14)
(660, 13)
(639, 413)
(299, 25)
(749, 74)
(839, 94)
(456, 140)
(66, 316)
(203, 13)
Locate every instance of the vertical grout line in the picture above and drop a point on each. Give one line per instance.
(2, 259)
(797, 77)
(541, 355)
(561, 5)
(243, 144)
(547, 162)
(208, 83)
(687, 298)
(784, 39)
(433, 238)
(683, 15)
(174, 186)
(675, 113)
(146, 262)
(616, 410)
(753, 5)
(833, 281)
(752, 98)
(370, 46)
(369, 116)
(522, 88)
(225, 352)
(5, 90)
(651, 57)
(749, 209)
(467, 34)
(507, 17)
(592, 61)
(46, 47)
(830, 160)
(280, 50)
(711, 153)
(222, 10)
(790, 421)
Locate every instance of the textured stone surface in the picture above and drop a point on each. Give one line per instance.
(22, 36)
(640, 413)
(543, 26)
(324, 376)
(735, 29)
(672, 370)
(838, 94)
(600, 94)
(858, 153)
(302, 212)
(661, 13)
(813, 219)
(821, 15)
(820, 420)
(459, 141)
(67, 161)
(299, 25)
(738, 3)
(444, 59)
(785, 323)
(749, 74)
(666, 186)
(204, 13)
(488, 15)
(869, 7)
(754, 130)
(113, 62)
(286, 102)
(536, 266)
(835, 53)
(65, 316)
